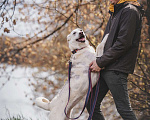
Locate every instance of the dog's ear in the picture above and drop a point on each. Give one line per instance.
(68, 37)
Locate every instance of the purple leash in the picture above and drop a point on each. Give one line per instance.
(92, 106)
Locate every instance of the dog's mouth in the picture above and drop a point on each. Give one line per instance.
(81, 39)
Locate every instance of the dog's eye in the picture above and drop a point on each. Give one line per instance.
(74, 33)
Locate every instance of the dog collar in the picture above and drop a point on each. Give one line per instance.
(74, 51)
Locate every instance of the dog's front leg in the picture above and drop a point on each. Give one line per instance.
(100, 47)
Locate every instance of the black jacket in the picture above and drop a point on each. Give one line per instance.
(124, 28)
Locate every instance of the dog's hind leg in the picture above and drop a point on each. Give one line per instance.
(69, 112)
(58, 103)
(73, 101)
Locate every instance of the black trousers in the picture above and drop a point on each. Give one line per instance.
(116, 82)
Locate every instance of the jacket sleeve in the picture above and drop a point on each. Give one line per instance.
(123, 42)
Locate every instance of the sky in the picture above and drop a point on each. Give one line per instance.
(21, 28)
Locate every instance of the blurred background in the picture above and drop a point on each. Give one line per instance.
(34, 55)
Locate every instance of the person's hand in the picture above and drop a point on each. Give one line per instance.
(94, 67)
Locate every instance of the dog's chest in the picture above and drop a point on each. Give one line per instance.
(79, 68)
(80, 64)
(83, 58)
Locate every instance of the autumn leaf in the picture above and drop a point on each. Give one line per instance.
(6, 19)
(6, 30)
(14, 22)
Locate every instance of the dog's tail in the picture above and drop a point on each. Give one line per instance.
(43, 103)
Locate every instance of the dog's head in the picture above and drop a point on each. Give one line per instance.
(77, 39)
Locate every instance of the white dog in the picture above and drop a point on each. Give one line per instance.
(83, 55)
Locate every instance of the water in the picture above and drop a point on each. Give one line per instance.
(16, 97)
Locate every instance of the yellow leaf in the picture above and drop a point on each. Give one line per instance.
(6, 30)
(14, 22)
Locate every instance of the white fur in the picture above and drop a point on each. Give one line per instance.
(79, 78)
(100, 47)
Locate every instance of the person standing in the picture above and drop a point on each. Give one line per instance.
(119, 57)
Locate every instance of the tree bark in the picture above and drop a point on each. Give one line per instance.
(147, 13)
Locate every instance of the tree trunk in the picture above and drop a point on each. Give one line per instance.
(147, 13)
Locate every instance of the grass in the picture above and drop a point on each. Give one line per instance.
(18, 117)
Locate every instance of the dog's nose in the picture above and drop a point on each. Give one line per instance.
(81, 33)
